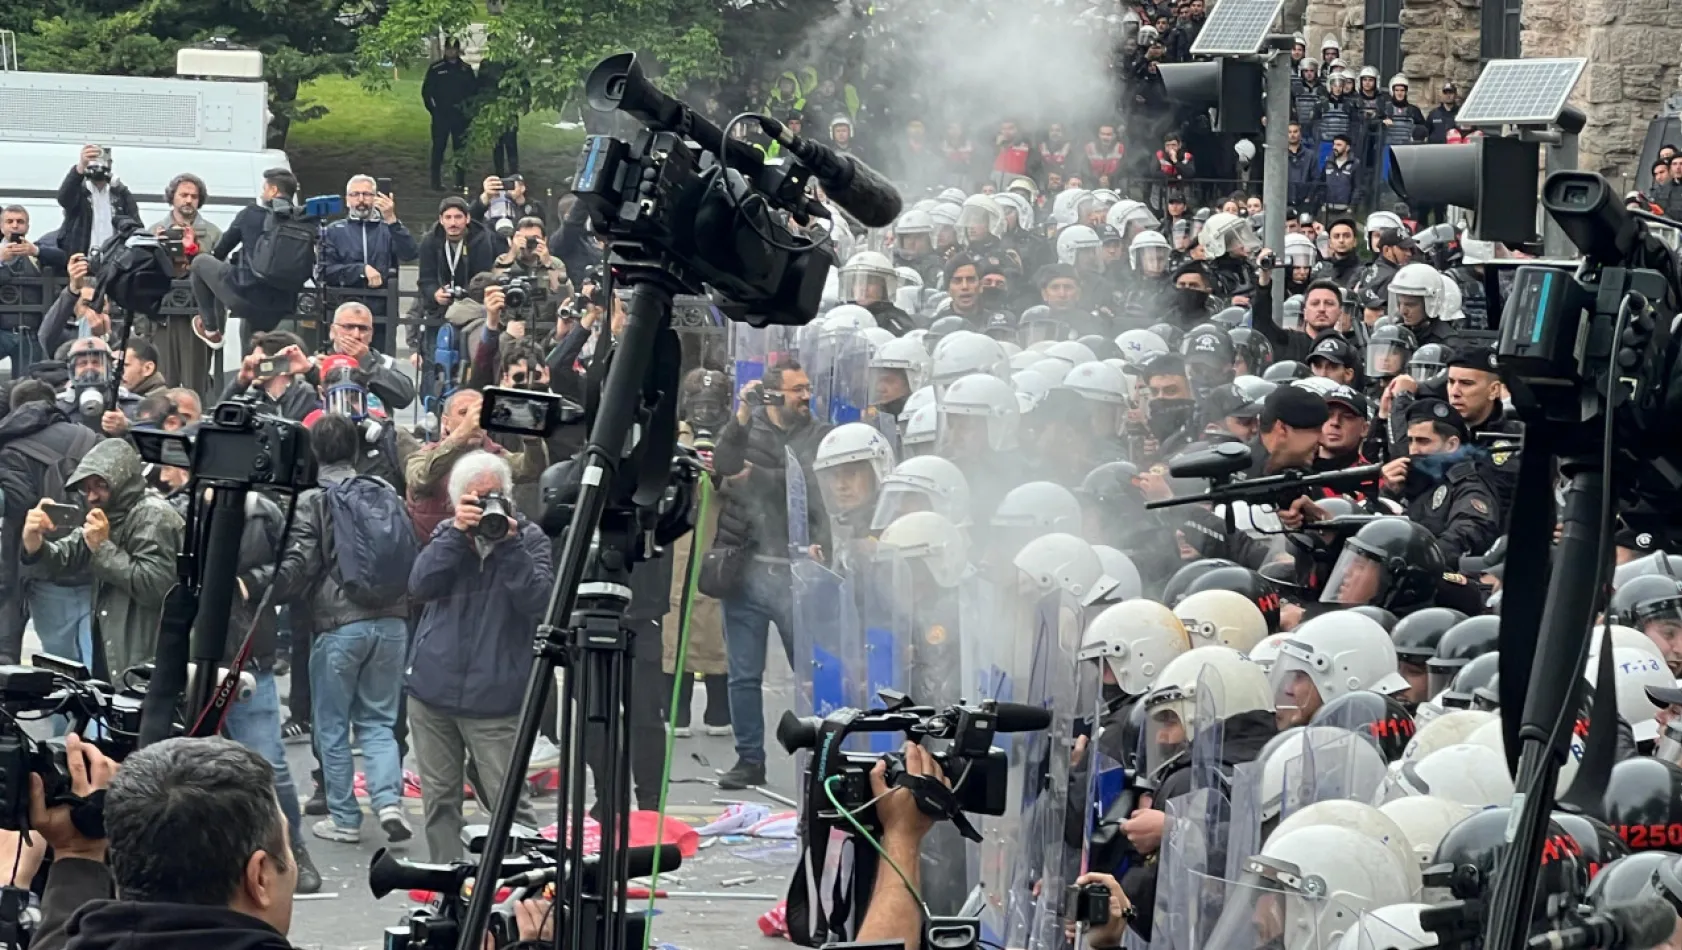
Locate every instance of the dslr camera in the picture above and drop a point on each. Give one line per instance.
(498, 519)
(516, 290)
(237, 445)
(100, 168)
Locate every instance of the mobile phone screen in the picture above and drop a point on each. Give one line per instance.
(65, 518)
(382, 185)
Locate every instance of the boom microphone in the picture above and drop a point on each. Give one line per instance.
(1020, 717)
(1635, 925)
(859, 189)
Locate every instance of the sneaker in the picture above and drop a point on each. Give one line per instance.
(723, 730)
(295, 732)
(329, 830)
(742, 775)
(544, 755)
(682, 732)
(396, 824)
(309, 879)
(317, 804)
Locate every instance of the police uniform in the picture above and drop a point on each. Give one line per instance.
(1502, 435)
(1462, 510)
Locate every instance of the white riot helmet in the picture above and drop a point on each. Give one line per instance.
(1445, 730)
(1011, 201)
(932, 539)
(922, 428)
(1031, 386)
(1398, 80)
(1266, 650)
(983, 212)
(945, 215)
(915, 221)
(1417, 284)
(905, 355)
(1125, 582)
(869, 277)
(1198, 688)
(1623, 636)
(1369, 72)
(1339, 653)
(1222, 617)
(1471, 774)
(909, 296)
(920, 397)
(1074, 239)
(978, 410)
(1136, 639)
(1224, 232)
(1634, 671)
(1024, 359)
(1075, 353)
(876, 338)
(1382, 221)
(1148, 253)
(1139, 345)
(1330, 43)
(1490, 734)
(925, 483)
(952, 195)
(1395, 927)
(965, 353)
(1054, 369)
(1300, 251)
(845, 320)
(1364, 818)
(1452, 301)
(1064, 207)
(1105, 389)
(1316, 763)
(1245, 150)
(1319, 879)
(1040, 507)
(1058, 561)
(852, 448)
(1131, 214)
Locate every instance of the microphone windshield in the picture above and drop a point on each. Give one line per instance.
(1020, 717)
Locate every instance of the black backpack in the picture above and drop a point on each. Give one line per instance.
(132, 269)
(283, 256)
(57, 466)
(372, 543)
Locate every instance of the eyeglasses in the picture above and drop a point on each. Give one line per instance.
(361, 194)
(367, 328)
(798, 390)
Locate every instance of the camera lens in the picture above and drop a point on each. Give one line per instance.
(493, 526)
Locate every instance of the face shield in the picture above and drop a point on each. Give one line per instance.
(1299, 255)
(90, 367)
(1387, 358)
(867, 285)
(343, 394)
(1408, 308)
(896, 500)
(1241, 240)
(1185, 230)
(1167, 728)
(1153, 261)
(848, 486)
(968, 435)
(888, 383)
(1440, 676)
(1296, 696)
(977, 225)
(1107, 418)
(1043, 330)
(1274, 905)
(1357, 579)
(1424, 368)
(1669, 746)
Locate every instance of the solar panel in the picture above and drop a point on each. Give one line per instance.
(1236, 27)
(1520, 92)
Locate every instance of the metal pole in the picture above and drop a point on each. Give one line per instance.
(1276, 169)
(1560, 157)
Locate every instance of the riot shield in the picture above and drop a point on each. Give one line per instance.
(839, 367)
(1188, 895)
(752, 349)
(1187, 732)
(828, 642)
(1320, 763)
(1270, 905)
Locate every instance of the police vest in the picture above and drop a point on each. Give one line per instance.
(1400, 129)
(1335, 120)
(1306, 100)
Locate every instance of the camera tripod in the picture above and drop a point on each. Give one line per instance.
(625, 467)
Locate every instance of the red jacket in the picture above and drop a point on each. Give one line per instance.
(1054, 159)
(1170, 168)
(1012, 159)
(1104, 163)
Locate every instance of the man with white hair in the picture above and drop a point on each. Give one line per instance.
(482, 583)
(362, 251)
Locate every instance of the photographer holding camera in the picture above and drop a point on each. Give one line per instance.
(428, 470)
(22, 260)
(274, 372)
(128, 541)
(183, 357)
(364, 249)
(221, 285)
(484, 580)
(513, 188)
(92, 200)
(456, 248)
(72, 311)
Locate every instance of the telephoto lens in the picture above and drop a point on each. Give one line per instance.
(497, 520)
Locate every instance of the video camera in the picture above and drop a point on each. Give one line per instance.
(840, 780)
(54, 685)
(530, 869)
(236, 445)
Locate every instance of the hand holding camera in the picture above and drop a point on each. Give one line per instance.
(491, 188)
(1106, 927)
(1264, 268)
(386, 205)
(90, 155)
(78, 269)
(90, 772)
(496, 301)
(897, 808)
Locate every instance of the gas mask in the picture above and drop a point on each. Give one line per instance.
(91, 376)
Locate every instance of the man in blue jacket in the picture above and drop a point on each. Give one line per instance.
(364, 249)
(483, 582)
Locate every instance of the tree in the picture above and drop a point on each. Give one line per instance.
(547, 47)
(299, 39)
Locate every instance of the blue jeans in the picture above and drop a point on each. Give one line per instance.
(64, 622)
(356, 677)
(764, 600)
(22, 347)
(255, 724)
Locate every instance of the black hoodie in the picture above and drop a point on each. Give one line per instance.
(133, 925)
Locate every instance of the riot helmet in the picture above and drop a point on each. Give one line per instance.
(930, 539)
(1200, 688)
(1286, 371)
(1249, 584)
(1179, 585)
(851, 463)
(927, 483)
(1470, 638)
(1391, 562)
(1381, 717)
(978, 416)
(1428, 361)
(1388, 351)
(1136, 639)
(1148, 254)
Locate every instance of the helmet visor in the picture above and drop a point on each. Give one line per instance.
(1152, 261)
(1292, 317)
(863, 286)
(1044, 331)
(347, 399)
(1441, 674)
(1167, 733)
(1272, 905)
(1424, 369)
(967, 435)
(1669, 747)
(1386, 358)
(1298, 255)
(847, 487)
(1358, 578)
(897, 500)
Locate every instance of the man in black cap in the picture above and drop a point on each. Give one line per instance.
(1170, 413)
(1334, 358)
(1289, 437)
(1475, 391)
(1342, 264)
(1442, 481)
(446, 90)
(1344, 433)
(456, 248)
(1229, 414)
(1342, 186)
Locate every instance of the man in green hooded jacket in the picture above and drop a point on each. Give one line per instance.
(128, 542)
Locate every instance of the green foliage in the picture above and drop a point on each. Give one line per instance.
(300, 40)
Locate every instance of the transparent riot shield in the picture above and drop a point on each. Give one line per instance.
(840, 372)
(828, 640)
(752, 349)
(1187, 732)
(1187, 893)
(1320, 763)
(996, 647)
(887, 609)
(1271, 905)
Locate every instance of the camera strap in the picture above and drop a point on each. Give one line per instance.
(933, 798)
(820, 899)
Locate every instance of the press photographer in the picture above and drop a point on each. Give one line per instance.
(364, 249)
(22, 304)
(262, 284)
(352, 334)
(84, 395)
(92, 199)
(128, 541)
(506, 199)
(452, 252)
(428, 470)
(274, 372)
(73, 311)
(541, 278)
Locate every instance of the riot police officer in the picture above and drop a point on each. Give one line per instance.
(1445, 487)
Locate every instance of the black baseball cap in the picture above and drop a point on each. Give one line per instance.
(1475, 357)
(1345, 396)
(1295, 407)
(1108, 233)
(1161, 364)
(1436, 410)
(1334, 349)
(1227, 401)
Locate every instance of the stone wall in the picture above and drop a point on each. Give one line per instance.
(1633, 48)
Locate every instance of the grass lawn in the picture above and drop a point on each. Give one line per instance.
(388, 134)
